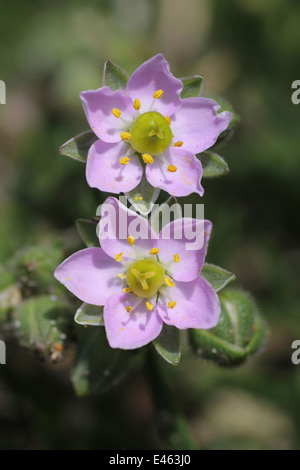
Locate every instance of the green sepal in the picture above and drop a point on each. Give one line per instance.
(216, 276)
(87, 231)
(226, 106)
(78, 147)
(168, 344)
(192, 86)
(114, 76)
(213, 165)
(143, 196)
(88, 314)
(239, 333)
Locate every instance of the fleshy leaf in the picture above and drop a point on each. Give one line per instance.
(192, 86)
(216, 276)
(97, 366)
(114, 77)
(89, 314)
(78, 146)
(213, 165)
(87, 231)
(168, 344)
(143, 196)
(41, 324)
(240, 331)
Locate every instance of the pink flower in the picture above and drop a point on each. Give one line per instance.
(143, 282)
(149, 123)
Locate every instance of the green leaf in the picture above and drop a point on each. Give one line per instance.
(216, 276)
(88, 314)
(78, 146)
(168, 344)
(192, 86)
(240, 331)
(10, 294)
(143, 196)
(114, 77)
(97, 366)
(213, 165)
(87, 231)
(41, 324)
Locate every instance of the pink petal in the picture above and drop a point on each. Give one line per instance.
(91, 275)
(153, 75)
(184, 181)
(130, 330)
(98, 106)
(105, 172)
(117, 224)
(197, 123)
(197, 305)
(178, 238)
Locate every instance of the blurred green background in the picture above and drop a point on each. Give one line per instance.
(247, 51)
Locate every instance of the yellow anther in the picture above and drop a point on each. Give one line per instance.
(124, 160)
(118, 257)
(178, 144)
(149, 306)
(176, 258)
(128, 309)
(172, 168)
(130, 240)
(137, 104)
(116, 112)
(121, 275)
(147, 158)
(158, 94)
(125, 135)
(127, 290)
(172, 304)
(169, 282)
(168, 120)
(154, 251)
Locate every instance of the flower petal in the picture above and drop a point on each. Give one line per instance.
(197, 305)
(98, 106)
(182, 182)
(130, 330)
(91, 275)
(117, 224)
(187, 238)
(197, 123)
(151, 76)
(105, 172)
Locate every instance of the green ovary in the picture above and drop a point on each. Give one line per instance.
(150, 133)
(145, 277)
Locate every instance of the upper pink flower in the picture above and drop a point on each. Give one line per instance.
(150, 123)
(144, 281)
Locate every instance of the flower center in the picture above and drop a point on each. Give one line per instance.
(150, 133)
(145, 277)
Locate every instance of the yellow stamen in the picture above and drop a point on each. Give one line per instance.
(178, 144)
(154, 251)
(176, 258)
(169, 282)
(130, 240)
(149, 306)
(168, 120)
(147, 158)
(172, 304)
(124, 160)
(121, 275)
(172, 168)
(137, 104)
(118, 257)
(116, 112)
(128, 309)
(127, 290)
(158, 94)
(125, 135)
